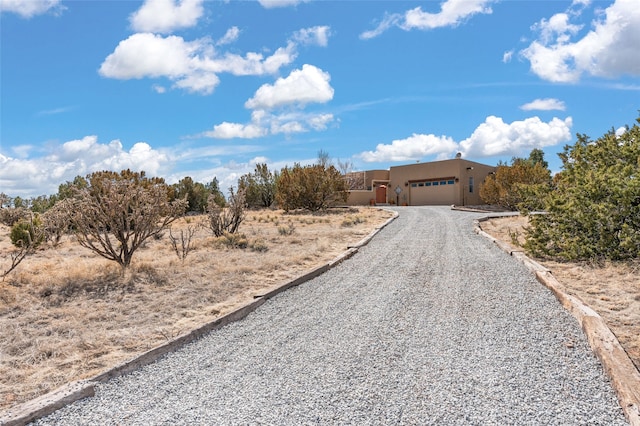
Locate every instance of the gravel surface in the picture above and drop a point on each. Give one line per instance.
(428, 324)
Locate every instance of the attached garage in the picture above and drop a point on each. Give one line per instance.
(435, 191)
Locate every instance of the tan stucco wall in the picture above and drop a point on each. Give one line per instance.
(373, 179)
(454, 172)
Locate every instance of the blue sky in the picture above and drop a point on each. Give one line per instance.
(210, 88)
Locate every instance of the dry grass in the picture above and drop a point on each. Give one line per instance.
(67, 314)
(612, 289)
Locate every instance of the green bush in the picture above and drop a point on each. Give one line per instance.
(26, 233)
(593, 213)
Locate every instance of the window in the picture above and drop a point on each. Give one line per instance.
(450, 182)
(427, 184)
(421, 184)
(435, 183)
(413, 185)
(470, 184)
(443, 182)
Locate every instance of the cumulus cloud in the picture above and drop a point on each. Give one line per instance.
(226, 130)
(43, 174)
(494, 137)
(412, 148)
(608, 50)
(165, 16)
(194, 66)
(452, 13)
(307, 85)
(546, 104)
(30, 8)
(270, 4)
(277, 108)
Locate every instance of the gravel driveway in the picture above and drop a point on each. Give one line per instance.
(428, 324)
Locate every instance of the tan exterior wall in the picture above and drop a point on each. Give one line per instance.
(444, 182)
(373, 179)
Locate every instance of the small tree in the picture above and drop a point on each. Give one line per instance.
(195, 193)
(26, 235)
(226, 219)
(518, 186)
(259, 186)
(313, 188)
(594, 210)
(117, 213)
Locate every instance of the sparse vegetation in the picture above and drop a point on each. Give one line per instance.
(70, 314)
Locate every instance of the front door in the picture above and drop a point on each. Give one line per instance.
(381, 194)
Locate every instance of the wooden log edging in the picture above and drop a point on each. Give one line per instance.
(48, 403)
(623, 374)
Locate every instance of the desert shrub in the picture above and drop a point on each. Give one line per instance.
(259, 186)
(315, 187)
(117, 212)
(226, 219)
(234, 241)
(182, 245)
(594, 210)
(27, 233)
(290, 229)
(55, 222)
(522, 185)
(259, 246)
(352, 221)
(10, 215)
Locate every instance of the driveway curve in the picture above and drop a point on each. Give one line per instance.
(427, 324)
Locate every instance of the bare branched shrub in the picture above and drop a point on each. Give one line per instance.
(182, 246)
(55, 222)
(227, 219)
(25, 244)
(117, 213)
(10, 215)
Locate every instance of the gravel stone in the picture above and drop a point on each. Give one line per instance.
(427, 324)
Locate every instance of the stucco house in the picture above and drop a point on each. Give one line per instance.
(445, 182)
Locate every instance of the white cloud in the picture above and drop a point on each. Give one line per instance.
(30, 8)
(194, 66)
(150, 55)
(506, 57)
(608, 50)
(307, 85)
(165, 16)
(547, 104)
(226, 130)
(315, 35)
(288, 96)
(42, 175)
(492, 138)
(452, 13)
(412, 148)
(495, 137)
(270, 4)
(230, 36)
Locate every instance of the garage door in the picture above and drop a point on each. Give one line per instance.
(433, 192)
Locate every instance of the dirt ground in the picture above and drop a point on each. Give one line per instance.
(68, 314)
(612, 290)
